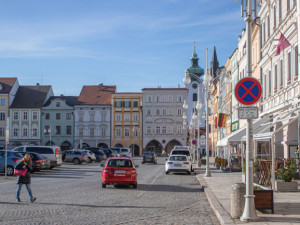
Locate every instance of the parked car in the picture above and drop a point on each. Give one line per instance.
(38, 162)
(178, 163)
(47, 163)
(108, 152)
(76, 157)
(13, 158)
(91, 156)
(51, 152)
(125, 152)
(149, 157)
(177, 151)
(119, 171)
(100, 155)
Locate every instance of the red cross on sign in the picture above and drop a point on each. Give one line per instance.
(248, 91)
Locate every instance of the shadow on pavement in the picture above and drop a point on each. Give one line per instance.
(166, 188)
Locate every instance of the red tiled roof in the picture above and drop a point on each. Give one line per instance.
(96, 95)
(163, 89)
(7, 83)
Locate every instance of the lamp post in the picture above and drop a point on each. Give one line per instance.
(207, 80)
(198, 107)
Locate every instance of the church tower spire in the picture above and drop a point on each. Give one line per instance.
(214, 64)
(195, 68)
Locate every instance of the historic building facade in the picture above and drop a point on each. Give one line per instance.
(57, 122)
(162, 118)
(25, 111)
(127, 121)
(8, 90)
(93, 116)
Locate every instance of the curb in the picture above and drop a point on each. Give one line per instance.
(220, 212)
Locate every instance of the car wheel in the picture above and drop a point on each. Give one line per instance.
(103, 185)
(10, 171)
(98, 159)
(134, 186)
(51, 167)
(143, 162)
(189, 172)
(89, 160)
(76, 161)
(167, 172)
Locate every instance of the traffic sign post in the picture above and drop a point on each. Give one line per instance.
(248, 113)
(248, 91)
(194, 142)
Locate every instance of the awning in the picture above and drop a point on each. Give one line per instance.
(237, 136)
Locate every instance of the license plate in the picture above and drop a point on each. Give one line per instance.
(177, 164)
(120, 171)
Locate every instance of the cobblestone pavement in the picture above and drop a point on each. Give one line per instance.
(72, 194)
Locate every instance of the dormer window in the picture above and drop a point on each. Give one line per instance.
(57, 104)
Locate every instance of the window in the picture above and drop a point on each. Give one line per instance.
(170, 98)
(80, 118)
(194, 97)
(157, 98)
(179, 112)
(164, 129)
(25, 115)
(148, 112)
(157, 111)
(2, 131)
(126, 117)
(2, 116)
(80, 132)
(68, 130)
(92, 117)
(92, 132)
(47, 116)
(296, 61)
(265, 86)
(275, 17)
(34, 115)
(103, 116)
(68, 116)
(57, 130)
(149, 99)
(126, 131)
(16, 115)
(280, 10)
(170, 111)
(288, 5)
(135, 117)
(289, 67)
(58, 116)
(34, 132)
(171, 131)
(127, 104)
(179, 130)
(103, 131)
(269, 26)
(25, 132)
(164, 112)
(16, 132)
(2, 101)
(135, 104)
(270, 83)
(148, 130)
(57, 104)
(118, 104)
(264, 32)
(275, 78)
(118, 132)
(135, 132)
(47, 130)
(118, 117)
(281, 72)
(179, 98)
(158, 129)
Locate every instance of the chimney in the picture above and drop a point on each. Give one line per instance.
(101, 85)
(61, 95)
(37, 84)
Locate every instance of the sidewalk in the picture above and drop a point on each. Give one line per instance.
(218, 191)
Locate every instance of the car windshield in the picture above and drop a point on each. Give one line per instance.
(119, 163)
(177, 158)
(148, 153)
(178, 152)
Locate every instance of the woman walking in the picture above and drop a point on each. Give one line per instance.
(25, 164)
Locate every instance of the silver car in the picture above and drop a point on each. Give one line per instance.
(91, 156)
(13, 158)
(76, 157)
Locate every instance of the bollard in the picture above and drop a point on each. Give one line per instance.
(238, 192)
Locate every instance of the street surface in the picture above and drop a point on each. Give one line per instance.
(72, 194)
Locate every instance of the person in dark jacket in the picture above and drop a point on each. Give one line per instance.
(26, 163)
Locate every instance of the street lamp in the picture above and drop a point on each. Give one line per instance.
(207, 80)
(198, 107)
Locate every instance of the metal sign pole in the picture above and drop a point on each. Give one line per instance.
(249, 210)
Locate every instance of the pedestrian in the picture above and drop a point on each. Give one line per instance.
(25, 163)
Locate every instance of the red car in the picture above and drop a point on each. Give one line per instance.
(119, 171)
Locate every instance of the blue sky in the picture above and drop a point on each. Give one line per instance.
(133, 44)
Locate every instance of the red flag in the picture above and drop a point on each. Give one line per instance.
(283, 43)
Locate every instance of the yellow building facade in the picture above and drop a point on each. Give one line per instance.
(126, 121)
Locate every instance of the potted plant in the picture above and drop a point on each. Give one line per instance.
(263, 198)
(287, 174)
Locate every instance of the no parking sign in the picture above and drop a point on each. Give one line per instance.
(248, 91)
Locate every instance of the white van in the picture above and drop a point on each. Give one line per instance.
(51, 152)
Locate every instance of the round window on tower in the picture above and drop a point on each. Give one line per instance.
(195, 85)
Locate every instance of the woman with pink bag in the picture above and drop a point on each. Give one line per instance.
(26, 179)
